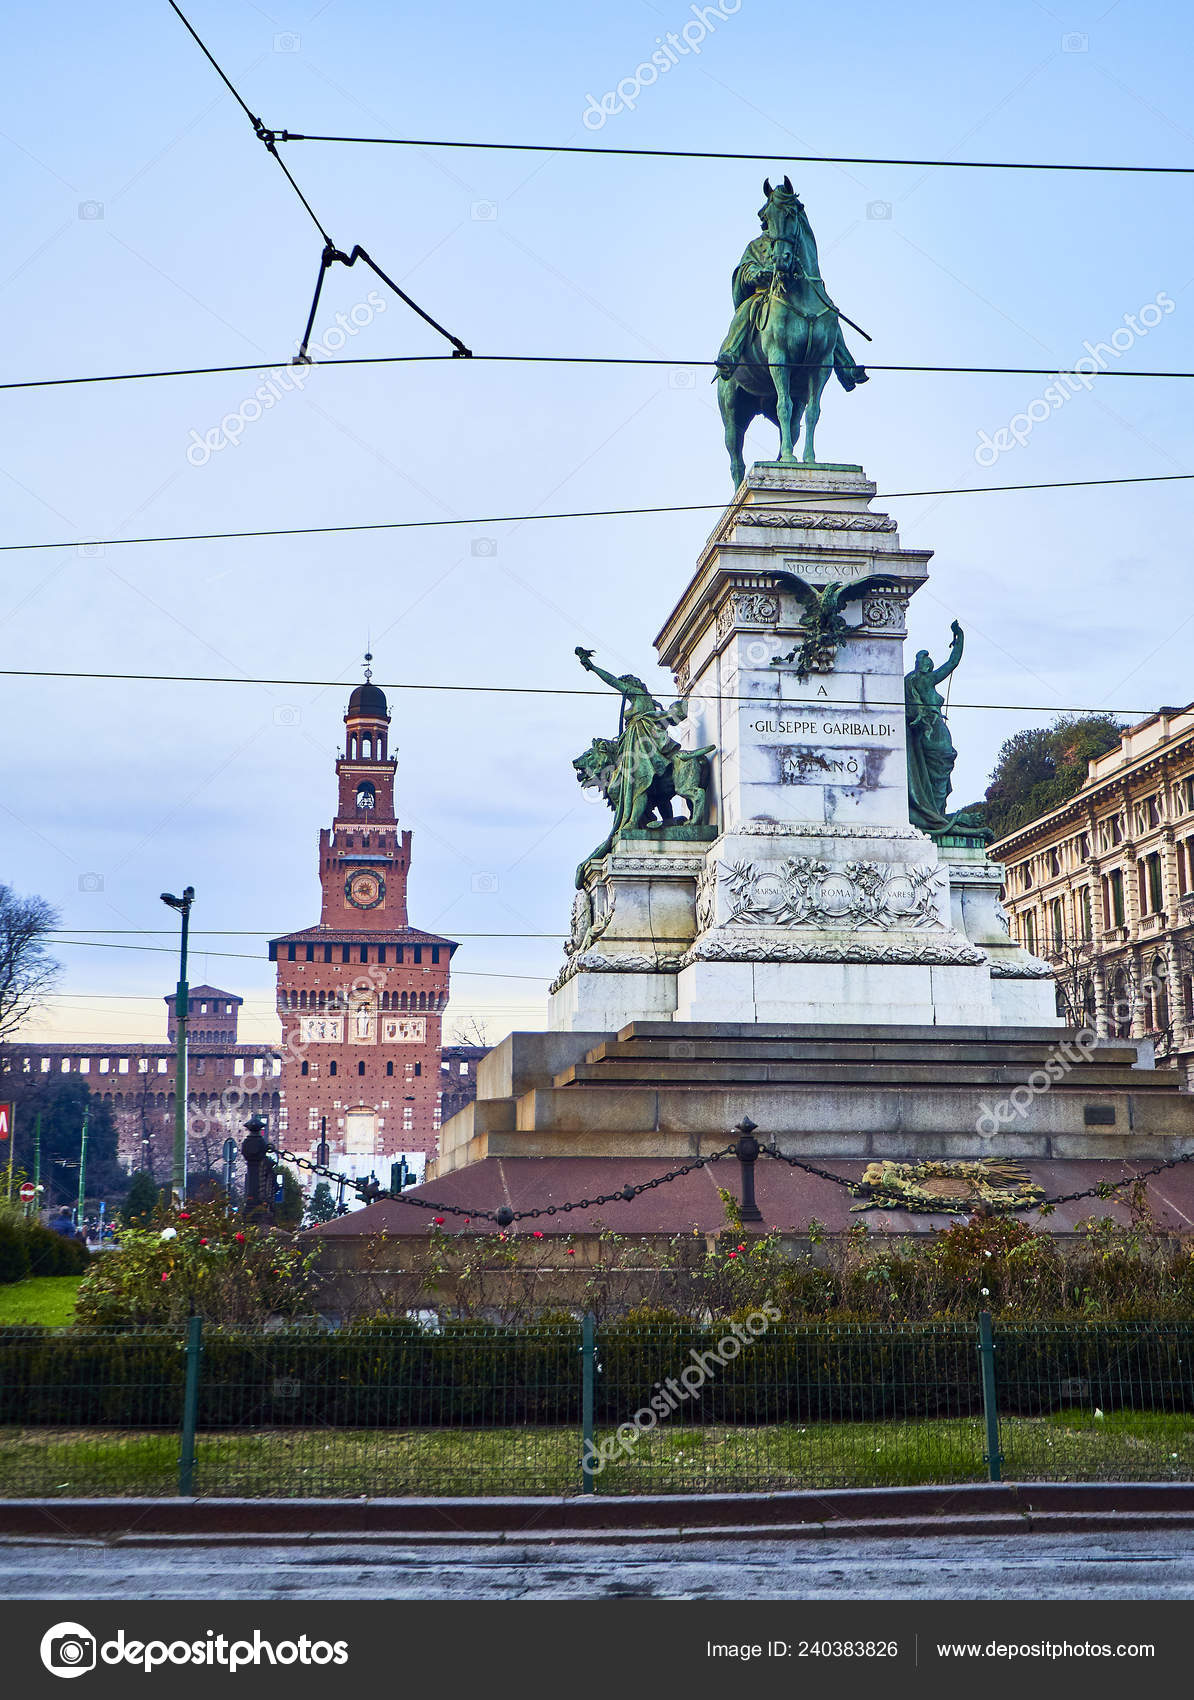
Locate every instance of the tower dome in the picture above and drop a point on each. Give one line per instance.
(368, 701)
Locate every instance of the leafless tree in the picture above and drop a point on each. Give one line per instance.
(471, 1031)
(27, 971)
(1073, 964)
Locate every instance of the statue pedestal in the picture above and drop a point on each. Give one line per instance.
(817, 900)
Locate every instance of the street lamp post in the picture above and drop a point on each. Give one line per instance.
(178, 1180)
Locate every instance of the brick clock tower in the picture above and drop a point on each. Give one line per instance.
(361, 995)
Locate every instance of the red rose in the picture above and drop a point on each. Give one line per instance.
(184, 1216)
(438, 1220)
(239, 1238)
(165, 1274)
(570, 1252)
(202, 1242)
(733, 1254)
(537, 1235)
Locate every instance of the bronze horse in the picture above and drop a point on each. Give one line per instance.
(793, 341)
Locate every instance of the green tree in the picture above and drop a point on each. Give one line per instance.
(1042, 767)
(321, 1206)
(288, 1212)
(60, 1100)
(143, 1197)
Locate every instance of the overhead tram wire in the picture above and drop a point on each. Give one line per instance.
(579, 513)
(248, 956)
(482, 690)
(773, 158)
(331, 254)
(553, 360)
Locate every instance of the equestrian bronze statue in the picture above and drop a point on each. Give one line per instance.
(785, 337)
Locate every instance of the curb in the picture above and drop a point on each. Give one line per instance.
(997, 1508)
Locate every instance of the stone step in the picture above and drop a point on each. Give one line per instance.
(844, 1032)
(843, 1119)
(692, 1072)
(876, 1050)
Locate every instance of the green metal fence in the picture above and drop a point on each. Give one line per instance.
(397, 1409)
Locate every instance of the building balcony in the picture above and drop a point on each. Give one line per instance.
(1153, 924)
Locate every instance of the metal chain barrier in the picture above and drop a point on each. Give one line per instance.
(746, 1149)
(865, 1189)
(503, 1217)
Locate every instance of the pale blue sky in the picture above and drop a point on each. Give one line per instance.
(202, 255)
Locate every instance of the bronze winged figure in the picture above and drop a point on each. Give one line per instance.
(823, 625)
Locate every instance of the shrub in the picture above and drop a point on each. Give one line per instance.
(196, 1262)
(14, 1253)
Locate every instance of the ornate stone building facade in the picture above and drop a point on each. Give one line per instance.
(1103, 889)
(361, 994)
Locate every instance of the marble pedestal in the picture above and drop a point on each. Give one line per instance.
(816, 899)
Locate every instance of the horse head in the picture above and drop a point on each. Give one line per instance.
(781, 219)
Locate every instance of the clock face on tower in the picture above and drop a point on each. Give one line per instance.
(364, 889)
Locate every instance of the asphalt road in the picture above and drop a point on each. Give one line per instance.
(1004, 1567)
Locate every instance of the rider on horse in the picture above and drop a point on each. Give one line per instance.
(752, 278)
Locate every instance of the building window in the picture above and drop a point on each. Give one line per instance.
(464, 1068)
(305, 1069)
(1115, 898)
(45, 1065)
(290, 953)
(310, 953)
(1084, 913)
(333, 1067)
(360, 1068)
(435, 953)
(1030, 931)
(85, 1065)
(390, 1067)
(142, 1065)
(1156, 889)
(364, 953)
(418, 953)
(1056, 925)
(203, 1009)
(313, 1119)
(381, 955)
(238, 1065)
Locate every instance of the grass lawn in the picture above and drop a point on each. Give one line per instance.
(300, 1463)
(47, 1299)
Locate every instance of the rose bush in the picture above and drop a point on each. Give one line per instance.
(197, 1262)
